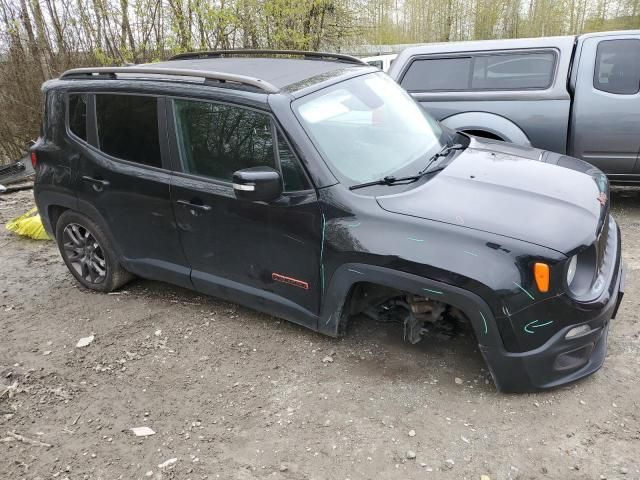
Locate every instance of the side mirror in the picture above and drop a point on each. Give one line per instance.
(257, 184)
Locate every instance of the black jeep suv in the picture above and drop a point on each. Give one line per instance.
(312, 187)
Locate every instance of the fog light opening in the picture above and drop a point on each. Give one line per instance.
(577, 331)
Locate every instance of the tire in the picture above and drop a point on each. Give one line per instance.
(88, 254)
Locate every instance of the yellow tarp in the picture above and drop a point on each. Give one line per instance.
(28, 225)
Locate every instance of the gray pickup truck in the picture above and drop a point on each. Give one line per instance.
(576, 95)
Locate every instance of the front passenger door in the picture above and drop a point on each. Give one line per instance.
(238, 249)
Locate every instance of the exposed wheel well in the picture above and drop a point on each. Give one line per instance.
(418, 314)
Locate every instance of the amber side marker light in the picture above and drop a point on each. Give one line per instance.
(541, 274)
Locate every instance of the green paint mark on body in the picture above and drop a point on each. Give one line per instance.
(535, 324)
(324, 225)
(486, 329)
(523, 289)
(437, 292)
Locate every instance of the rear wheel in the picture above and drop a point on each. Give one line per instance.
(88, 254)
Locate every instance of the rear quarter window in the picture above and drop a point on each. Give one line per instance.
(78, 115)
(493, 71)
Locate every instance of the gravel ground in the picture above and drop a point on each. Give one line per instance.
(234, 394)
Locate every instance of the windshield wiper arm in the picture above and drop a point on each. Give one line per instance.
(389, 180)
(446, 150)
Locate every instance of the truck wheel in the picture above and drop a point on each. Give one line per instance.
(88, 254)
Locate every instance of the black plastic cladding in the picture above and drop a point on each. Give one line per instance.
(468, 237)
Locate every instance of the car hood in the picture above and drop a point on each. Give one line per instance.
(551, 200)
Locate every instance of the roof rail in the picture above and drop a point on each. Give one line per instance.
(179, 72)
(257, 52)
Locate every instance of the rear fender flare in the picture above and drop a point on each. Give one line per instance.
(45, 199)
(346, 276)
(86, 208)
(488, 122)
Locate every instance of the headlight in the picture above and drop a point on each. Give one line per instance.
(581, 271)
(571, 269)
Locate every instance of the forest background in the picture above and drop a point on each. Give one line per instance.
(39, 39)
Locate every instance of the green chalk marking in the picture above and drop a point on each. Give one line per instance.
(432, 291)
(521, 288)
(486, 329)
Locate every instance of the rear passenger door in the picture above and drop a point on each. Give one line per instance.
(123, 182)
(605, 127)
(262, 254)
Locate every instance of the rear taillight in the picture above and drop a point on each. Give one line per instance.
(34, 159)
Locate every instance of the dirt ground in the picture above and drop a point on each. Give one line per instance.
(235, 394)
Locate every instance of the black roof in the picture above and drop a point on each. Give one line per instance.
(283, 73)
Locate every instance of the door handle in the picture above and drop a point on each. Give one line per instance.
(185, 203)
(97, 183)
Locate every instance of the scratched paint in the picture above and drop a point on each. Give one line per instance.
(486, 328)
(415, 239)
(471, 253)
(535, 324)
(355, 271)
(524, 290)
(353, 225)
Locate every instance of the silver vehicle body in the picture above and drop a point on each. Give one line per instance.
(383, 62)
(586, 107)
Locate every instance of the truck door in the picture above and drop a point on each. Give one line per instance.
(605, 127)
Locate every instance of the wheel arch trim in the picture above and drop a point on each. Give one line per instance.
(348, 275)
(488, 122)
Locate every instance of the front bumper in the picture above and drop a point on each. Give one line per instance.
(559, 360)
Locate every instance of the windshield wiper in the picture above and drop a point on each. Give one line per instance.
(446, 150)
(389, 180)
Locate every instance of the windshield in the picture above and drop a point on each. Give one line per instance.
(368, 127)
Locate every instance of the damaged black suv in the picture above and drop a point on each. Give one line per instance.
(312, 187)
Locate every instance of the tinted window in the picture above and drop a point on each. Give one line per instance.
(78, 115)
(215, 140)
(292, 174)
(438, 74)
(513, 71)
(483, 72)
(618, 67)
(128, 128)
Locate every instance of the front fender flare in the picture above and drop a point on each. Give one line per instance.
(347, 275)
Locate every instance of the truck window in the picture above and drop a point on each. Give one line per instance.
(513, 71)
(618, 67)
(435, 74)
(498, 71)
